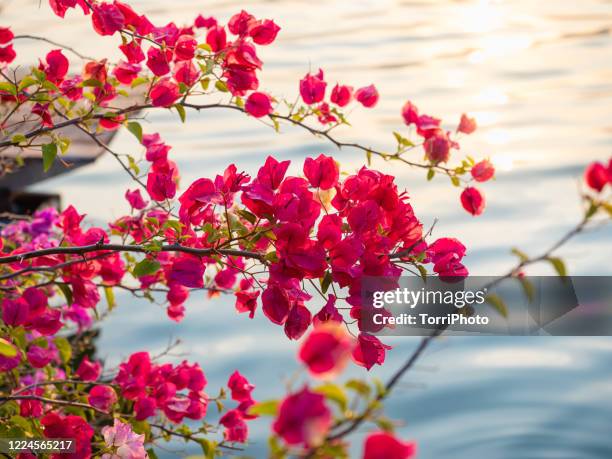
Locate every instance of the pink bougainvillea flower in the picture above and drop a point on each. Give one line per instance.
(202, 22)
(216, 38)
(187, 270)
(367, 96)
(298, 321)
(326, 350)
(158, 61)
(383, 445)
(322, 172)
(428, 126)
(135, 199)
(185, 48)
(437, 147)
(7, 54)
(164, 93)
(240, 23)
(441, 248)
(341, 95)
(88, 370)
(144, 408)
(112, 124)
(126, 72)
(133, 52)
(60, 7)
(258, 104)
(157, 150)
(48, 323)
(467, 125)
(96, 70)
(107, 18)
(185, 72)
(243, 55)
(596, 176)
(241, 79)
(39, 356)
(264, 32)
(473, 200)
(303, 418)
(239, 387)
(124, 443)
(369, 351)
(410, 113)
(14, 312)
(312, 88)
(328, 313)
(42, 110)
(102, 397)
(246, 301)
(6, 35)
(71, 426)
(56, 66)
(275, 304)
(483, 171)
(236, 430)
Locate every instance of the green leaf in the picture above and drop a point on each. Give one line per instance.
(64, 348)
(181, 111)
(334, 393)
(422, 272)
(559, 266)
(267, 408)
(18, 138)
(385, 424)
(151, 453)
(455, 180)
(110, 298)
(92, 82)
(7, 349)
(8, 87)
(248, 216)
(136, 129)
(521, 255)
(221, 86)
(208, 447)
(527, 288)
(146, 267)
(67, 293)
(358, 386)
(498, 304)
(138, 81)
(49, 153)
(592, 210)
(430, 174)
(326, 282)
(64, 144)
(26, 82)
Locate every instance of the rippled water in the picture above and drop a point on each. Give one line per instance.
(538, 76)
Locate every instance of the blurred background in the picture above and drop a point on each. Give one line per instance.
(537, 76)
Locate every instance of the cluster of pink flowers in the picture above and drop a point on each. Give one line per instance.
(313, 88)
(7, 53)
(304, 419)
(234, 420)
(178, 391)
